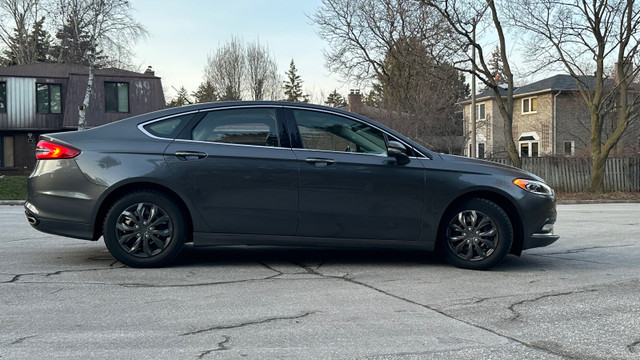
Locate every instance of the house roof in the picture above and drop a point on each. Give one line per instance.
(57, 70)
(553, 83)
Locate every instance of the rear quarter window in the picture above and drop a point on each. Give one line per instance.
(168, 128)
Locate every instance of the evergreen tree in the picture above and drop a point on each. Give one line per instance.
(374, 97)
(293, 85)
(335, 99)
(206, 93)
(496, 67)
(74, 45)
(181, 99)
(38, 45)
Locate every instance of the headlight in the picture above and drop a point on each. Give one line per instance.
(536, 187)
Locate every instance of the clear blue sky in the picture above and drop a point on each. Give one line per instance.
(183, 33)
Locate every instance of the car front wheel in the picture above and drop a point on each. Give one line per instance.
(477, 234)
(144, 229)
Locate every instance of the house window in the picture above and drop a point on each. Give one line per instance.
(529, 149)
(116, 97)
(480, 112)
(529, 144)
(6, 151)
(3, 97)
(569, 148)
(49, 98)
(529, 105)
(480, 150)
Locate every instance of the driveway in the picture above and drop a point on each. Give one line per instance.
(576, 299)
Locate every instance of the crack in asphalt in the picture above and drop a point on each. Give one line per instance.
(255, 322)
(222, 346)
(633, 347)
(269, 267)
(20, 340)
(140, 285)
(517, 315)
(579, 250)
(17, 277)
(441, 312)
(24, 239)
(570, 259)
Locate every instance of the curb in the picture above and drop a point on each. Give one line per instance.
(12, 202)
(576, 202)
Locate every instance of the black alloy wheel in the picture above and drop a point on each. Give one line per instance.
(145, 229)
(477, 235)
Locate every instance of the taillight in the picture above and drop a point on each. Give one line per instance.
(46, 150)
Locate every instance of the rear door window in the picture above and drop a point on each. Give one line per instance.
(245, 126)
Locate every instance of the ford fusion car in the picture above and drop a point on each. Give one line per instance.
(278, 173)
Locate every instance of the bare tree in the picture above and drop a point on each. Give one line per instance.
(102, 24)
(262, 72)
(225, 69)
(463, 18)
(360, 33)
(390, 45)
(584, 38)
(16, 19)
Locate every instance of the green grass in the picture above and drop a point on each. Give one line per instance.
(13, 188)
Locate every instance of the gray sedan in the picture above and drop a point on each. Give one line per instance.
(278, 173)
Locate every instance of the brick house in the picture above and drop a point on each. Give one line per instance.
(44, 98)
(549, 118)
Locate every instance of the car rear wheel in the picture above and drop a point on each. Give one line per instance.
(477, 234)
(144, 229)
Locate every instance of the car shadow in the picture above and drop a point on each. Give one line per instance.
(240, 255)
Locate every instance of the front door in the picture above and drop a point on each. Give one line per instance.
(349, 187)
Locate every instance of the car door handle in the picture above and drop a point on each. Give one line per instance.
(190, 155)
(319, 162)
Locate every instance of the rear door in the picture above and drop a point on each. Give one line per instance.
(236, 167)
(349, 187)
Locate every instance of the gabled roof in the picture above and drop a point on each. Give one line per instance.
(57, 70)
(555, 83)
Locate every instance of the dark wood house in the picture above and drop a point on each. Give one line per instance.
(43, 98)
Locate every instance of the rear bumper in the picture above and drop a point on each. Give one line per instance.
(56, 227)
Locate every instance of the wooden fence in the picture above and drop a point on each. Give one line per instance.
(574, 174)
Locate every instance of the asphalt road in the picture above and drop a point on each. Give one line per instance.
(577, 299)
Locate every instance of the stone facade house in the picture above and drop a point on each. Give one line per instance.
(44, 98)
(549, 118)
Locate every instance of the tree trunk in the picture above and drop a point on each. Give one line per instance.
(82, 109)
(598, 164)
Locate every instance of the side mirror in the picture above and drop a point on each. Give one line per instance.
(398, 151)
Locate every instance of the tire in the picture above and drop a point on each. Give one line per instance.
(145, 229)
(476, 235)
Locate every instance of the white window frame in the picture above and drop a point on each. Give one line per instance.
(483, 105)
(573, 148)
(536, 140)
(529, 109)
(484, 150)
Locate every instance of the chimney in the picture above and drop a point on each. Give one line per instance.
(149, 71)
(355, 101)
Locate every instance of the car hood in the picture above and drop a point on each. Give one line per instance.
(479, 165)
